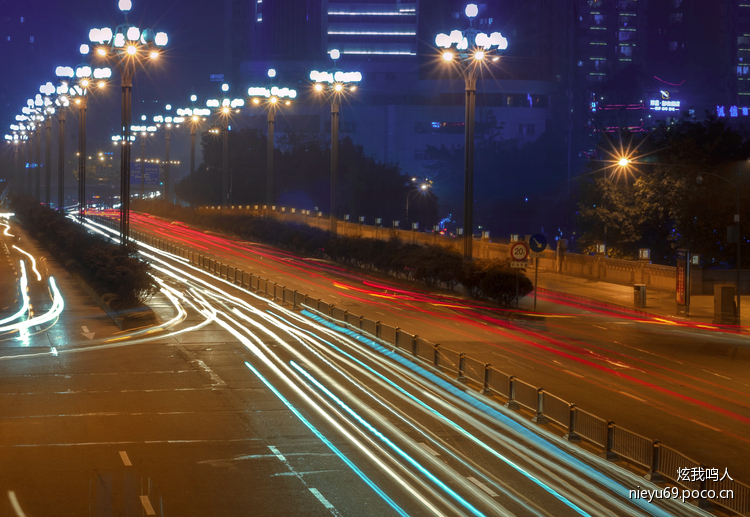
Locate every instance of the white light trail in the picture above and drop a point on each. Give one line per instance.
(24, 283)
(33, 262)
(57, 306)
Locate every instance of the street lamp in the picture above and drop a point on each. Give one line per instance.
(143, 132)
(193, 116)
(34, 114)
(224, 108)
(621, 166)
(167, 123)
(128, 47)
(270, 98)
(16, 140)
(469, 50)
(48, 90)
(28, 125)
(736, 186)
(335, 83)
(79, 83)
(422, 186)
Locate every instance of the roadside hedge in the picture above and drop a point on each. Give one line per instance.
(435, 266)
(107, 267)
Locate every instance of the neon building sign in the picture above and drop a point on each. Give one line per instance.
(664, 105)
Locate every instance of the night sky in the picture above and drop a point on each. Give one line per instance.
(195, 48)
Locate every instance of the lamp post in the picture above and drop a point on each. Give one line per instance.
(15, 140)
(736, 186)
(49, 111)
(469, 50)
(37, 117)
(62, 103)
(81, 81)
(127, 45)
(143, 131)
(271, 98)
(422, 188)
(167, 123)
(224, 107)
(193, 116)
(621, 166)
(335, 83)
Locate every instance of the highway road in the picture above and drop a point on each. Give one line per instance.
(233, 404)
(685, 385)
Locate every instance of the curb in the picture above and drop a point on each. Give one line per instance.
(125, 320)
(601, 303)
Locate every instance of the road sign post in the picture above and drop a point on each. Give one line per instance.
(537, 243)
(519, 253)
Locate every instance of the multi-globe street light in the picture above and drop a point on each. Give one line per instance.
(335, 84)
(80, 81)
(224, 108)
(143, 132)
(128, 47)
(193, 117)
(469, 50)
(28, 126)
(34, 114)
(16, 139)
(48, 111)
(270, 98)
(167, 123)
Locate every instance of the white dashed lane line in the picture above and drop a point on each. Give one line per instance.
(125, 459)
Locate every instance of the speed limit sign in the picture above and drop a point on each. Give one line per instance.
(519, 251)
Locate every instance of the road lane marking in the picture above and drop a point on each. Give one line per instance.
(84, 328)
(706, 425)
(714, 373)
(597, 326)
(276, 453)
(633, 397)
(574, 373)
(147, 505)
(14, 504)
(429, 449)
(217, 381)
(322, 499)
(125, 459)
(482, 486)
(54, 351)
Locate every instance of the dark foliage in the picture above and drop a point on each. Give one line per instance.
(432, 265)
(302, 175)
(657, 203)
(109, 268)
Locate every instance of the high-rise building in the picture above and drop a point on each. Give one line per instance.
(384, 28)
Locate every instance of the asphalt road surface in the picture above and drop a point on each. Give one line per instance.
(233, 405)
(683, 384)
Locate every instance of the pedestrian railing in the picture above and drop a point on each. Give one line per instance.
(616, 443)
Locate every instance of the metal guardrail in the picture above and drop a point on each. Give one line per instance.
(616, 442)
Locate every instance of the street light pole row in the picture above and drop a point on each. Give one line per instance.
(336, 83)
(469, 50)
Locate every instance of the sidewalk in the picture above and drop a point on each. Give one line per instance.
(658, 303)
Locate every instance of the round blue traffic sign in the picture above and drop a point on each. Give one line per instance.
(538, 243)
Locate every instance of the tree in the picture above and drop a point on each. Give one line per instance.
(662, 207)
(302, 177)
